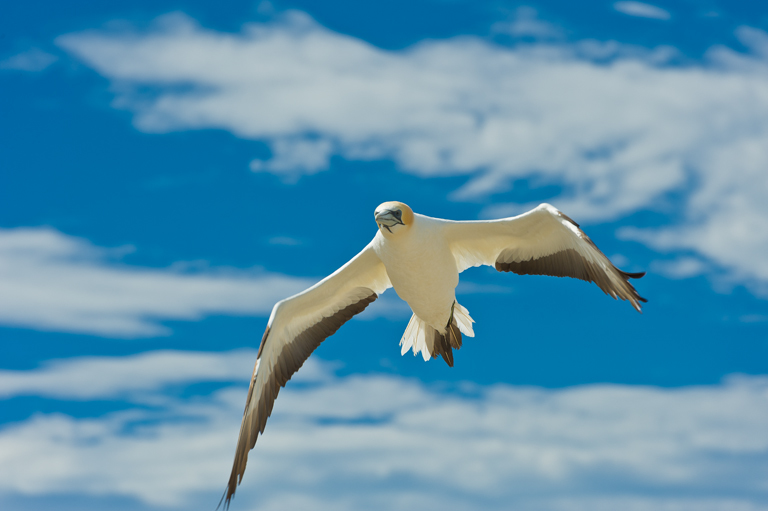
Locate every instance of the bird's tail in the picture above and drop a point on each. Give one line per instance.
(430, 342)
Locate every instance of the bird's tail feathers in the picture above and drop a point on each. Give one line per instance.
(463, 320)
(424, 339)
(415, 337)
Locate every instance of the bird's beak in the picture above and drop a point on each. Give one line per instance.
(387, 219)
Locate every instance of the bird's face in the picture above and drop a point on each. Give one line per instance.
(393, 217)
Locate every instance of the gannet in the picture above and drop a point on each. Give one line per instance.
(421, 258)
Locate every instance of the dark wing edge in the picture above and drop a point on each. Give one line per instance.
(571, 263)
(292, 356)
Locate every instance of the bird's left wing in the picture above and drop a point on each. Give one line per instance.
(542, 241)
(296, 327)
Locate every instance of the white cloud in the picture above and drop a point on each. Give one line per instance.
(682, 268)
(526, 23)
(291, 158)
(51, 281)
(617, 127)
(754, 39)
(32, 60)
(389, 306)
(384, 442)
(85, 378)
(642, 10)
(285, 241)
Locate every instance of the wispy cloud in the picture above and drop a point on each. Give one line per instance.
(617, 127)
(52, 281)
(379, 442)
(85, 378)
(681, 268)
(285, 241)
(526, 23)
(32, 60)
(642, 10)
(292, 157)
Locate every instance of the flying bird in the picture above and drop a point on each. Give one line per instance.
(421, 258)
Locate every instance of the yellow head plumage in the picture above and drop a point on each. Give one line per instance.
(391, 214)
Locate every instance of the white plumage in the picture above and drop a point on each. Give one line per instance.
(421, 257)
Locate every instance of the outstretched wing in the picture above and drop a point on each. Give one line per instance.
(296, 327)
(542, 241)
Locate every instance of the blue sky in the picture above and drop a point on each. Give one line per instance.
(162, 168)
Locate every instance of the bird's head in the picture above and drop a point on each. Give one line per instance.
(392, 217)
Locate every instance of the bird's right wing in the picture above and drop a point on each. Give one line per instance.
(296, 328)
(542, 241)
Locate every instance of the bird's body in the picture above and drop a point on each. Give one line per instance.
(421, 257)
(422, 269)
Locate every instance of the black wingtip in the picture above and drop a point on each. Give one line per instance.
(638, 275)
(225, 499)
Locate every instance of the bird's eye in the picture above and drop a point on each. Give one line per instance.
(398, 213)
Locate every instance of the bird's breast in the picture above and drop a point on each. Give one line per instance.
(423, 272)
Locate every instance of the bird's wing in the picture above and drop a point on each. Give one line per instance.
(296, 327)
(542, 241)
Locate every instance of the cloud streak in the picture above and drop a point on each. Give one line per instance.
(56, 282)
(381, 441)
(88, 378)
(33, 60)
(642, 10)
